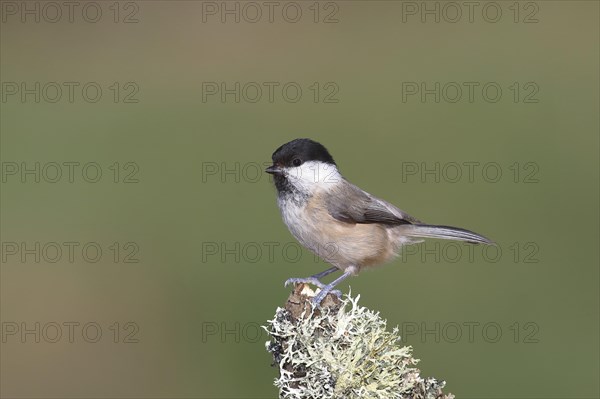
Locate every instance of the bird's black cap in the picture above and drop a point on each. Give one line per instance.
(303, 150)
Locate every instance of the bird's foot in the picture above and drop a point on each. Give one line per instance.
(329, 288)
(306, 280)
(317, 299)
(325, 288)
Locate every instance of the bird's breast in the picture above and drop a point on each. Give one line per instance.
(339, 243)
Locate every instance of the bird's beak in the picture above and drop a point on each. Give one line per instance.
(274, 170)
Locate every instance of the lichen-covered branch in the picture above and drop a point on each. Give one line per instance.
(342, 350)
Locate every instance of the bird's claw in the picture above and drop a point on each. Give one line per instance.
(325, 289)
(317, 299)
(305, 280)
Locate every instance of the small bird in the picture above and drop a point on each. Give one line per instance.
(342, 224)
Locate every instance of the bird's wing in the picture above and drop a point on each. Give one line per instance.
(348, 203)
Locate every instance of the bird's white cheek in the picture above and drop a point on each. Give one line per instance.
(314, 174)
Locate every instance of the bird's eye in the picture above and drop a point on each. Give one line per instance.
(296, 162)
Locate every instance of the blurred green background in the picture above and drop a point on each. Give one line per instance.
(195, 315)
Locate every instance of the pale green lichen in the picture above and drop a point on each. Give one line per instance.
(344, 351)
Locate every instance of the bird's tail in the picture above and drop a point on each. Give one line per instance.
(445, 232)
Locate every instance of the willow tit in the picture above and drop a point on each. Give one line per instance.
(342, 224)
